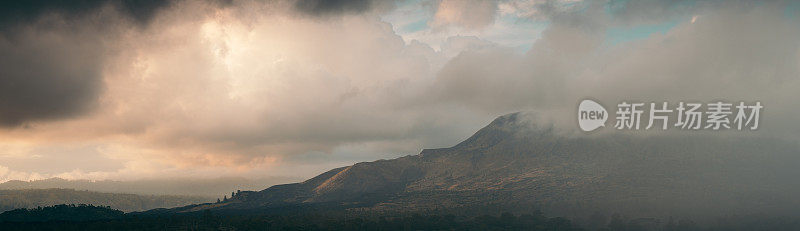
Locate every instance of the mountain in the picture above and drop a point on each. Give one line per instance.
(33, 198)
(516, 164)
(212, 188)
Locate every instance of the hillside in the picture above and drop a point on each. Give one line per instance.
(515, 164)
(33, 198)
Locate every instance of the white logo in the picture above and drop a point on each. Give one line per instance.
(591, 115)
(690, 116)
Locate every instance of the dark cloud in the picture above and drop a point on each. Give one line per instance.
(53, 52)
(333, 7)
(42, 77)
(14, 13)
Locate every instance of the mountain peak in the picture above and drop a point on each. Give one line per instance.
(517, 125)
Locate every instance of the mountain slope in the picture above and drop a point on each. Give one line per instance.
(514, 163)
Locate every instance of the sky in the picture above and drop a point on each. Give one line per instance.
(129, 90)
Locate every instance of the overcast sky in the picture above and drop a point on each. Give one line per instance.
(116, 90)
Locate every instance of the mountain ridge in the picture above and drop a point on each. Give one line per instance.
(513, 162)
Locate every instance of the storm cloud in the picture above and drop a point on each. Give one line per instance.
(261, 88)
(322, 8)
(47, 78)
(54, 52)
(16, 13)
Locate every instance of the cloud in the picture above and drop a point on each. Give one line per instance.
(500, 80)
(7, 174)
(256, 88)
(237, 85)
(653, 11)
(539, 9)
(54, 54)
(316, 7)
(48, 76)
(735, 52)
(339, 7)
(472, 14)
(14, 13)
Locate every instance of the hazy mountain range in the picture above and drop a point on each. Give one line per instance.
(515, 164)
(32, 198)
(127, 196)
(210, 188)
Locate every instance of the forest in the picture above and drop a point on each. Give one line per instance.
(89, 217)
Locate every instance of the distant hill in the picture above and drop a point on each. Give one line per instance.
(33, 198)
(515, 164)
(61, 213)
(214, 188)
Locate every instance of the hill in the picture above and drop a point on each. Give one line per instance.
(211, 188)
(33, 198)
